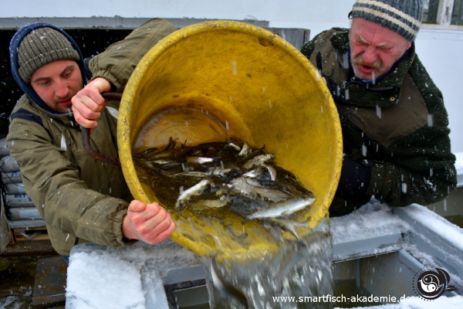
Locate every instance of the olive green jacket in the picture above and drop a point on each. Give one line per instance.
(400, 123)
(80, 199)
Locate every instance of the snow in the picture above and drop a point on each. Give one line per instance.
(125, 273)
(438, 224)
(378, 219)
(459, 163)
(375, 218)
(123, 276)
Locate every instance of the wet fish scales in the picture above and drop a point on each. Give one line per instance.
(283, 208)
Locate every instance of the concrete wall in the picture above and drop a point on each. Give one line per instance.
(439, 50)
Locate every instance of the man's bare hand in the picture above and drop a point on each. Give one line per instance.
(149, 223)
(88, 103)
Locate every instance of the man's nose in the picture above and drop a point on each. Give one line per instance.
(370, 55)
(61, 89)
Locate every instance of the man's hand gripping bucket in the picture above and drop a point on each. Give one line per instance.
(220, 79)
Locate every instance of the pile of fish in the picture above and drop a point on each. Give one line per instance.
(223, 174)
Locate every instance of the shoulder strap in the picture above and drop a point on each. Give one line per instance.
(27, 115)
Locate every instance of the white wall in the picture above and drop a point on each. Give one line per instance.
(441, 53)
(439, 50)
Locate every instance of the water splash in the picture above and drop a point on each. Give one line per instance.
(301, 269)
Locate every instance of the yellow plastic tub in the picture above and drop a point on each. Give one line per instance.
(218, 79)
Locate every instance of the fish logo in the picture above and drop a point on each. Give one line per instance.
(432, 284)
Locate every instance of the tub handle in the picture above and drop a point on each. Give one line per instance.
(86, 135)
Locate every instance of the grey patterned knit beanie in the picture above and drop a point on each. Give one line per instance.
(401, 16)
(40, 47)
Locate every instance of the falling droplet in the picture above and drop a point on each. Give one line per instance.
(404, 187)
(234, 69)
(378, 111)
(364, 150)
(430, 120)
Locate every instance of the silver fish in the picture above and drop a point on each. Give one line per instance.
(197, 189)
(270, 194)
(211, 203)
(289, 225)
(162, 161)
(254, 173)
(259, 160)
(271, 170)
(191, 174)
(242, 185)
(283, 208)
(219, 171)
(244, 150)
(200, 160)
(237, 148)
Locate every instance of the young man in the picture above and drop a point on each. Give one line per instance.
(393, 118)
(80, 199)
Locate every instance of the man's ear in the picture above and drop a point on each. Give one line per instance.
(409, 45)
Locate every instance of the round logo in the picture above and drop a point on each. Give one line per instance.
(432, 284)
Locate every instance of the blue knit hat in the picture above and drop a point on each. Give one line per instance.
(401, 16)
